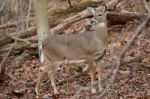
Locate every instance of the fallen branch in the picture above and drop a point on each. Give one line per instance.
(32, 39)
(10, 38)
(19, 46)
(140, 65)
(25, 33)
(14, 24)
(136, 66)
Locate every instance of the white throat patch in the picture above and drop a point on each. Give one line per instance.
(102, 24)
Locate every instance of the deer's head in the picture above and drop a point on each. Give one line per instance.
(99, 17)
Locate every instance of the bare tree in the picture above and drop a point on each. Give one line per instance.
(42, 21)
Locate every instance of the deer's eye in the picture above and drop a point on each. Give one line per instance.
(100, 14)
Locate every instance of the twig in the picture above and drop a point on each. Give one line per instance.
(29, 12)
(146, 6)
(2, 7)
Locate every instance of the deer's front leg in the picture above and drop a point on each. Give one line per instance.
(93, 89)
(99, 80)
(91, 68)
(100, 68)
(42, 71)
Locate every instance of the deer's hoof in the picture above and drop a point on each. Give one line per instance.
(37, 97)
(93, 90)
(37, 91)
(85, 69)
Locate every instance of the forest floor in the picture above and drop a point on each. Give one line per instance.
(132, 80)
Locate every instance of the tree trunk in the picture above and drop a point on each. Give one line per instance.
(42, 21)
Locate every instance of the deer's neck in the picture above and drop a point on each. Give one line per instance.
(102, 31)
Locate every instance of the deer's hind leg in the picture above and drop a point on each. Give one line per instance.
(50, 69)
(93, 89)
(51, 75)
(41, 72)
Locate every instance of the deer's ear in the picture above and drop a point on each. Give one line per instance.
(91, 10)
(103, 8)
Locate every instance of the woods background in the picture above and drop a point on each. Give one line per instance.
(19, 47)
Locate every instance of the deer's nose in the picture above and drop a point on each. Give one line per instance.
(93, 21)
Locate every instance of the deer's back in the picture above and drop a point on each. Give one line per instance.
(72, 46)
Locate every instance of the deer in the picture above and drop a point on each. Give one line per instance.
(88, 46)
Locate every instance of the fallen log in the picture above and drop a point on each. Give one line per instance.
(123, 17)
(15, 24)
(25, 33)
(10, 38)
(17, 49)
(4, 39)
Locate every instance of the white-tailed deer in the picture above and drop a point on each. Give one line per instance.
(87, 45)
